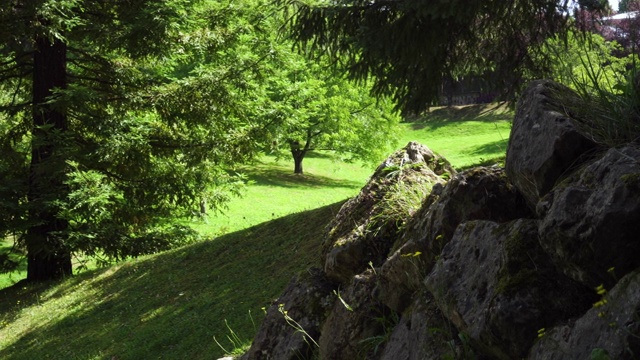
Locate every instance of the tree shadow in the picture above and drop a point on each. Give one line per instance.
(442, 116)
(491, 149)
(170, 305)
(13, 263)
(261, 175)
(320, 155)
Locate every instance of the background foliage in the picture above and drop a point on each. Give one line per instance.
(160, 103)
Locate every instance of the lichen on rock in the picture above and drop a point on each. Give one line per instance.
(545, 141)
(367, 225)
(482, 193)
(494, 282)
(592, 220)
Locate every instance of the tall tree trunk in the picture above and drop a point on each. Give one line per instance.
(47, 256)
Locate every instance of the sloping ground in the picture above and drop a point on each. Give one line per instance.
(167, 306)
(464, 135)
(171, 305)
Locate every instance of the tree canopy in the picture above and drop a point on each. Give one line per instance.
(316, 109)
(118, 117)
(410, 46)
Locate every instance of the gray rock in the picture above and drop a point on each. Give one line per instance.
(472, 271)
(482, 193)
(424, 333)
(357, 322)
(611, 328)
(545, 141)
(593, 221)
(416, 153)
(306, 300)
(367, 226)
(496, 285)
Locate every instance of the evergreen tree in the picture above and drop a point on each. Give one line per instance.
(109, 128)
(117, 118)
(410, 46)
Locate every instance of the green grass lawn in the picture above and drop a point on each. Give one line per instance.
(274, 191)
(464, 135)
(171, 305)
(20, 273)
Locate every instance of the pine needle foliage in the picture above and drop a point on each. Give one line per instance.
(411, 46)
(117, 117)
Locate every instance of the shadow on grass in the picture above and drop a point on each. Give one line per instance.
(168, 306)
(318, 155)
(442, 116)
(263, 175)
(491, 149)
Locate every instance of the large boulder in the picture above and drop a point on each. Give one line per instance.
(482, 193)
(423, 332)
(357, 322)
(545, 141)
(367, 225)
(591, 220)
(495, 284)
(609, 330)
(307, 300)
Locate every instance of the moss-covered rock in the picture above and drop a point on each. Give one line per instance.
(611, 327)
(496, 284)
(545, 140)
(307, 300)
(471, 271)
(591, 223)
(482, 193)
(367, 226)
(423, 332)
(356, 327)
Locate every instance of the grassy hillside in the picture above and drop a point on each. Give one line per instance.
(274, 191)
(465, 135)
(167, 306)
(171, 305)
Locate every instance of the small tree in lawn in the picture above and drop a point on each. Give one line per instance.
(319, 110)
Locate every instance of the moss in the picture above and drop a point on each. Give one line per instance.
(319, 289)
(517, 270)
(631, 181)
(510, 283)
